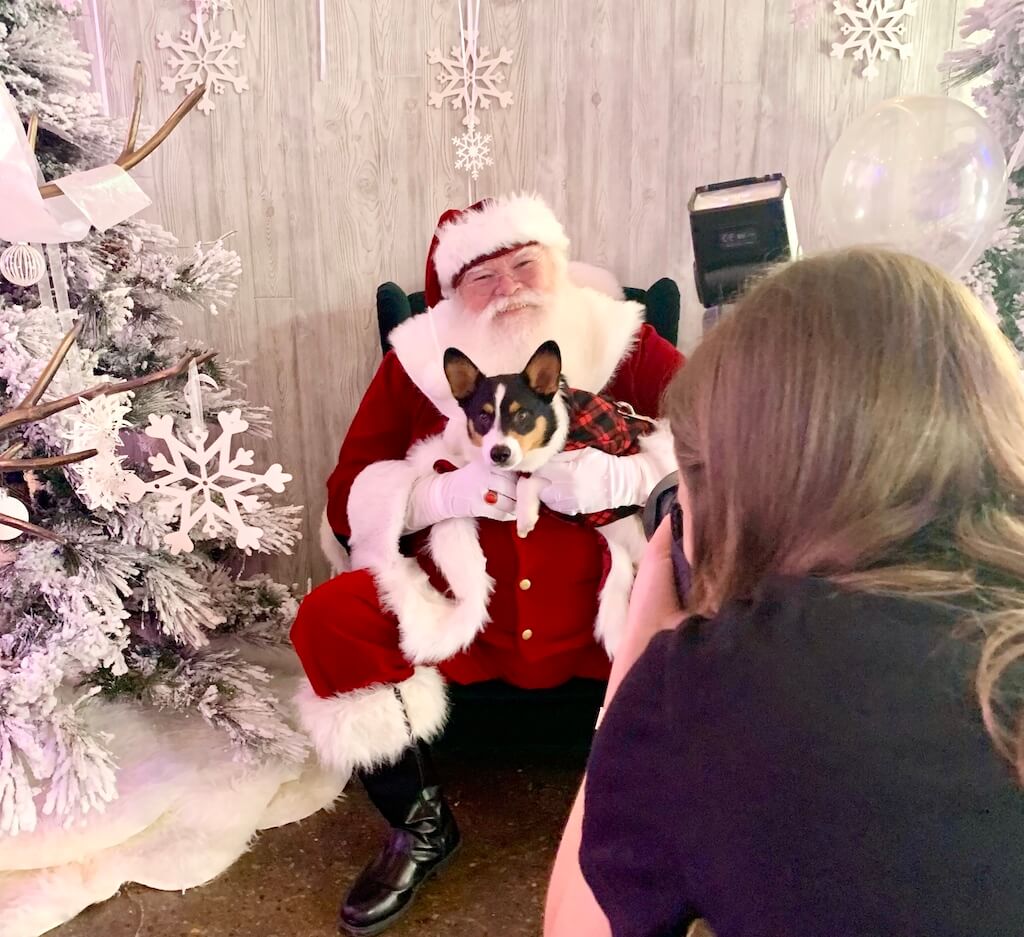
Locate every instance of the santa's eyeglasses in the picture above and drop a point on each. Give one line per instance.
(520, 266)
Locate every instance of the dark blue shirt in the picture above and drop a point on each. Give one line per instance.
(809, 764)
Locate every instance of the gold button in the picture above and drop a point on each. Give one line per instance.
(525, 584)
(527, 634)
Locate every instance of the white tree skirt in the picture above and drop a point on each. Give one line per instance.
(186, 811)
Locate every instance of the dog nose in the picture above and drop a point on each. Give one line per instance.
(500, 454)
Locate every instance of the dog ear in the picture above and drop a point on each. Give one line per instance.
(463, 376)
(543, 372)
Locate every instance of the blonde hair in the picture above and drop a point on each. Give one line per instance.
(858, 416)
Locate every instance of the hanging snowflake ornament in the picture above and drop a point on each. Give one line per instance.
(473, 151)
(469, 78)
(202, 55)
(214, 491)
(874, 30)
(204, 482)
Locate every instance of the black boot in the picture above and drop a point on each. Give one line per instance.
(422, 839)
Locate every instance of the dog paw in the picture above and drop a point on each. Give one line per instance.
(524, 525)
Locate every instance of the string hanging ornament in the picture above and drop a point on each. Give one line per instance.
(22, 264)
(202, 55)
(204, 486)
(470, 77)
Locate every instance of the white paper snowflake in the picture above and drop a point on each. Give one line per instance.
(215, 491)
(203, 55)
(875, 29)
(469, 78)
(473, 151)
(103, 481)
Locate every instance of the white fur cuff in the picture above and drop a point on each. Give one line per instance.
(433, 627)
(366, 728)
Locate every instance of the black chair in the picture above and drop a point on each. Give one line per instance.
(394, 306)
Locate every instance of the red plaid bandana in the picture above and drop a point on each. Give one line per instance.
(610, 426)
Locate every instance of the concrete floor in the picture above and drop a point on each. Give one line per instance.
(510, 769)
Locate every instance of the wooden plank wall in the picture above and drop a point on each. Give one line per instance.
(621, 108)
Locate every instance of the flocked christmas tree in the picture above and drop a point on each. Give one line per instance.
(997, 64)
(103, 594)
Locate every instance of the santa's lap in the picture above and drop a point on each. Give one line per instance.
(540, 633)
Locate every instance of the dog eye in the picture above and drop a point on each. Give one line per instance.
(522, 418)
(484, 421)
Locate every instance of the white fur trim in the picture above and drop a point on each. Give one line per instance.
(377, 505)
(365, 728)
(455, 549)
(594, 332)
(625, 542)
(597, 278)
(432, 627)
(336, 555)
(503, 222)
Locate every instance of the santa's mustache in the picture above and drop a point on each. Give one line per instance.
(505, 303)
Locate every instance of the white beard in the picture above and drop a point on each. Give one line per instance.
(594, 333)
(500, 342)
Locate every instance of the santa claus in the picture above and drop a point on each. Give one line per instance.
(498, 285)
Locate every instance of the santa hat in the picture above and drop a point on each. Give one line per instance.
(486, 230)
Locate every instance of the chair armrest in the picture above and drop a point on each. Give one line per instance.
(663, 303)
(392, 310)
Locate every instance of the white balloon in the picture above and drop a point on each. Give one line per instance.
(925, 175)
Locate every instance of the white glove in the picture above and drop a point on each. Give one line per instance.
(462, 493)
(585, 481)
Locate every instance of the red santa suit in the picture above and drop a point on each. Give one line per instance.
(377, 678)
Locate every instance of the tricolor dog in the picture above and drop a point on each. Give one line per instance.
(516, 421)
